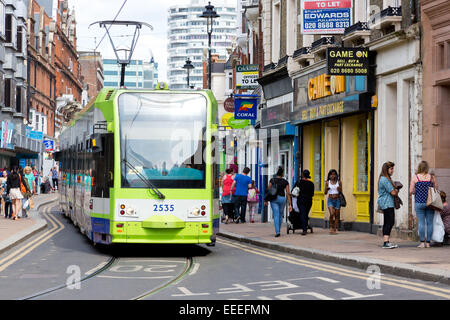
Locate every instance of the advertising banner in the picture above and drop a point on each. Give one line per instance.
(347, 61)
(7, 133)
(246, 76)
(325, 17)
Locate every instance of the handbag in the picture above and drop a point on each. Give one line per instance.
(434, 200)
(342, 199)
(295, 192)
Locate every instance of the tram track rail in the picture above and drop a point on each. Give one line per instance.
(109, 264)
(100, 271)
(187, 269)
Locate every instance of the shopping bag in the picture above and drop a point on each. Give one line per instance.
(438, 228)
(25, 205)
(31, 203)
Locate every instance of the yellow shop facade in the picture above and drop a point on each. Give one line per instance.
(335, 119)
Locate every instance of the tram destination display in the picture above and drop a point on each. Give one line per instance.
(347, 61)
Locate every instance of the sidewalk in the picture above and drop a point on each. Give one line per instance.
(355, 249)
(13, 232)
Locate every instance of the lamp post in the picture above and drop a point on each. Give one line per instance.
(209, 14)
(188, 66)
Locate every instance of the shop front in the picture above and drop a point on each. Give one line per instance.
(335, 119)
(276, 129)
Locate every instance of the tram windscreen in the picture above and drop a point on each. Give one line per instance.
(162, 139)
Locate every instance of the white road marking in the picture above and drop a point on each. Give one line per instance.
(313, 294)
(101, 265)
(194, 269)
(355, 295)
(131, 278)
(186, 292)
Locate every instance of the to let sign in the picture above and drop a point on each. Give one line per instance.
(246, 76)
(325, 17)
(347, 61)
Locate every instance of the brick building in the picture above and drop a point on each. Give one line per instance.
(68, 75)
(42, 71)
(92, 74)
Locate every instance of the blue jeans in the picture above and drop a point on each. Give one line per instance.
(277, 206)
(425, 216)
(335, 203)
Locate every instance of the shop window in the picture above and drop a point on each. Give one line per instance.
(362, 155)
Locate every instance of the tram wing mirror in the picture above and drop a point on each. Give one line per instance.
(96, 142)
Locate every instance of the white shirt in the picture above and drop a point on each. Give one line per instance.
(333, 188)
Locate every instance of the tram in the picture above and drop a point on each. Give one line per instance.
(137, 166)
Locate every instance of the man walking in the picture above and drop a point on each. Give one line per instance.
(54, 173)
(242, 182)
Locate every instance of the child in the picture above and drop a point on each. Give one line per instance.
(6, 200)
(252, 200)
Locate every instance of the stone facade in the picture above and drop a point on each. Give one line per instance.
(435, 17)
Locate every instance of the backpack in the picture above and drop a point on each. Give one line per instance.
(252, 196)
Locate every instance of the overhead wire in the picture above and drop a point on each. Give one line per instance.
(123, 4)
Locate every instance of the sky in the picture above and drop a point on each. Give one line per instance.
(153, 12)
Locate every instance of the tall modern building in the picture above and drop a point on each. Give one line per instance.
(139, 74)
(188, 38)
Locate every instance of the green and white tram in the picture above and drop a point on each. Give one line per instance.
(137, 166)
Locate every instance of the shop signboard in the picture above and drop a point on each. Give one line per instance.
(228, 104)
(49, 145)
(34, 135)
(275, 115)
(238, 123)
(246, 107)
(318, 96)
(347, 61)
(325, 17)
(246, 76)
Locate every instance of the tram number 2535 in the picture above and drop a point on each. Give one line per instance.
(163, 208)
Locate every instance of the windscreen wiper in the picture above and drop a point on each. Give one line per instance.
(147, 181)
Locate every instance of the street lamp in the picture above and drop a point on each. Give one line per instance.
(209, 14)
(188, 66)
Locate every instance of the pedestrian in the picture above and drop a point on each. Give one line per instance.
(54, 173)
(304, 199)
(420, 183)
(252, 200)
(445, 213)
(386, 194)
(36, 176)
(242, 182)
(3, 194)
(29, 178)
(227, 195)
(6, 201)
(13, 184)
(333, 188)
(278, 204)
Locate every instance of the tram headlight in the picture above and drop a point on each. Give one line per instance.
(130, 211)
(195, 212)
